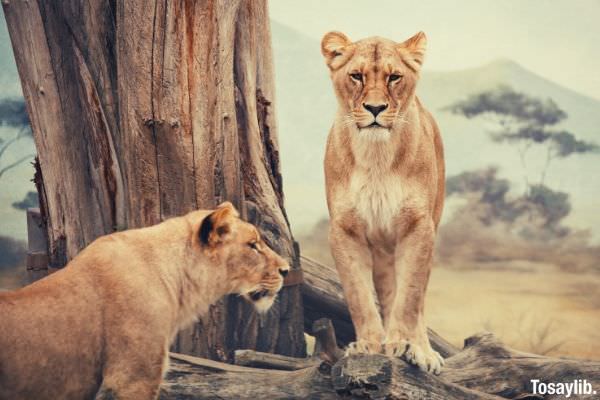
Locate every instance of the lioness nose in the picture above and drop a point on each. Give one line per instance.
(284, 271)
(375, 109)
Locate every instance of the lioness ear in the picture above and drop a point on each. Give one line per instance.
(216, 225)
(336, 48)
(416, 47)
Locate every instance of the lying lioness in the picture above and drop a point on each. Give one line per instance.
(384, 172)
(104, 323)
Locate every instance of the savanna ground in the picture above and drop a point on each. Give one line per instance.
(532, 306)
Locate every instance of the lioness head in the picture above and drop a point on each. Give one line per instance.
(374, 79)
(252, 268)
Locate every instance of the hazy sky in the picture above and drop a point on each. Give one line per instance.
(559, 40)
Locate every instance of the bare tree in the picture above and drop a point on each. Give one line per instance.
(143, 110)
(524, 121)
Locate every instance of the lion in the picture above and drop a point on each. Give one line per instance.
(384, 175)
(103, 324)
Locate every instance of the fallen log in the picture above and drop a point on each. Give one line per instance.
(484, 369)
(488, 365)
(368, 377)
(381, 377)
(326, 350)
(192, 380)
(258, 359)
(322, 297)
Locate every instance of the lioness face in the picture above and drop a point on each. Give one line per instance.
(374, 79)
(254, 270)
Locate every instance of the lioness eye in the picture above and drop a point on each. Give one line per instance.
(253, 245)
(356, 76)
(394, 77)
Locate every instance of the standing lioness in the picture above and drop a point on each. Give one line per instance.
(107, 319)
(384, 171)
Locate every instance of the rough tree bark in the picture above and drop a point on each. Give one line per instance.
(143, 110)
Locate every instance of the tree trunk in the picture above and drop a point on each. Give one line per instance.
(144, 110)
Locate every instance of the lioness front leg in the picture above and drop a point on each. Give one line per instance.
(406, 332)
(135, 374)
(354, 264)
(135, 390)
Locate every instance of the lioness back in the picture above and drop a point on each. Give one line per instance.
(37, 333)
(104, 323)
(55, 328)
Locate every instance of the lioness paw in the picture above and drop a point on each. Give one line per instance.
(396, 349)
(363, 347)
(425, 358)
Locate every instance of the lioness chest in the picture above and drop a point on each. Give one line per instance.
(376, 189)
(377, 198)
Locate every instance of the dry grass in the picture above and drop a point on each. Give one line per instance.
(532, 307)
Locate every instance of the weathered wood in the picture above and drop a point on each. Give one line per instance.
(143, 110)
(323, 298)
(37, 246)
(484, 369)
(41, 92)
(326, 350)
(257, 359)
(186, 381)
(488, 365)
(380, 377)
(326, 346)
(210, 365)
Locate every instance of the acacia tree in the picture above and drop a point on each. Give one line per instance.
(143, 110)
(524, 121)
(541, 203)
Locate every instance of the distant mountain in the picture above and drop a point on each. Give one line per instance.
(437, 89)
(306, 107)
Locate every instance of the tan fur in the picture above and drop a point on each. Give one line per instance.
(107, 319)
(385, 192)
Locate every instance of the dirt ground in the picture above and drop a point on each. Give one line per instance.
(532, 307)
